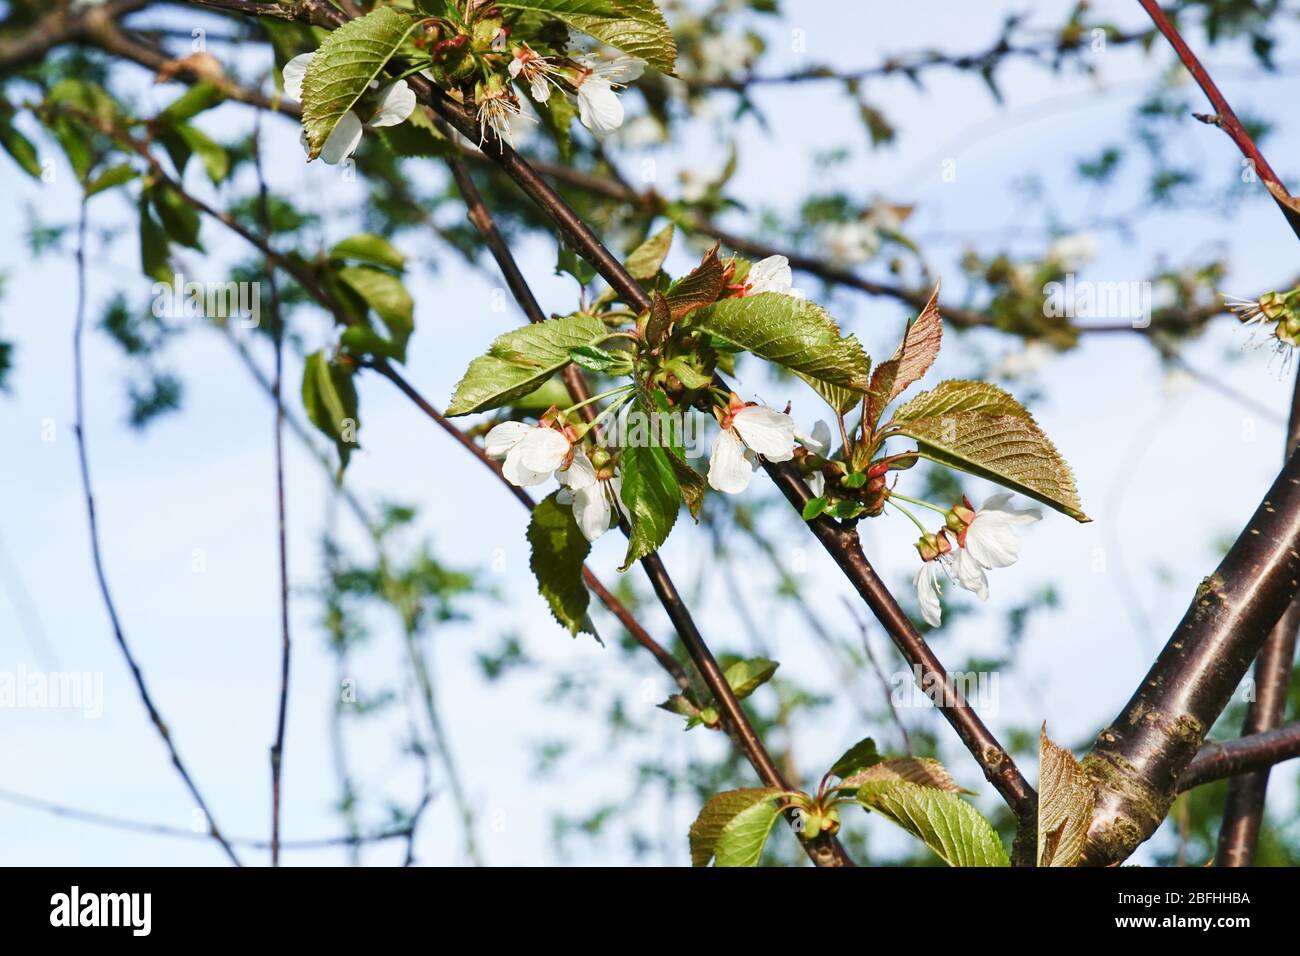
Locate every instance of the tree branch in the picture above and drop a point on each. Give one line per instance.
(1247, 755)
(1138, 760)
(1243, 812)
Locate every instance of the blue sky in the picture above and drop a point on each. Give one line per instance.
(1165, 467)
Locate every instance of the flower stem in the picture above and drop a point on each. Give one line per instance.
(596, 398)
(608, 409)
(918, 501)
(916, 521)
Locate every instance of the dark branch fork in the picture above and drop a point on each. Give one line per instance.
(1244, 609)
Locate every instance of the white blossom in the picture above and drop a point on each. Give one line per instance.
(753, 430)
(818, 443)
(724, 55)
(531, 452)
(499, 111)
(599, 107)
(537, 71)
(991, 536)
(771, 275)
(1073, 250)
(849, 243)
(594, 499)
(393, 104)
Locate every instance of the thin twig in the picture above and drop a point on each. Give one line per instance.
(1223, 116)
(162, 829)
(277, 382)
(79, 429)
(880, 675)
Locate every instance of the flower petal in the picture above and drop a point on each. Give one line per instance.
(592, 510)
(543, 449)
(504, 437)
(992, 539)
(730, 469)
(766, 431)
(819, 442)
(770, 275)
(518, 473)
(970, 575)
(293, 74)
(927, 593)
(816, 484)
(1001, 502)
(343, 141)
(580, 474)
(599, 107)
(396, 104)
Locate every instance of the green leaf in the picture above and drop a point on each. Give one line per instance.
(519, 361)
(1065, 801)
(113, 176)
(329, 396)
(343, 68)
(645, 261)
(977, 428)
(861, 755)
(553, 391)
(20, 148)
(386, 295)
(154, 246)
(559, 549)
(814, 507)
(568, 261)
(742, 840)
(791, 332)
(960, 395)
(73, 133)
(745, 677)
(943, 821)
(652, 497)
(179, 218)
(634, 26)
(596, 359)
(368, 248)
(216, 161)
(196, 99)
(720, 810)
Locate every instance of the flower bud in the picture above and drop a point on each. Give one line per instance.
(960, 516)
